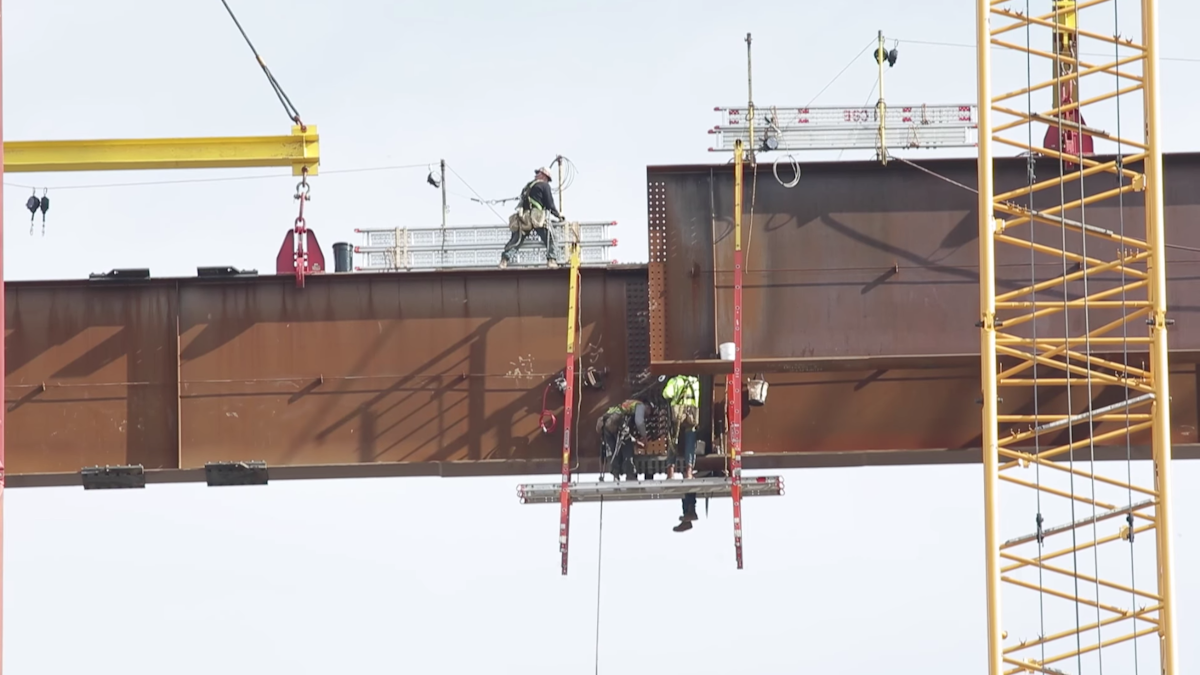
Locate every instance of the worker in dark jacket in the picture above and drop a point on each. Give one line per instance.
(536, 201)
(610, 425)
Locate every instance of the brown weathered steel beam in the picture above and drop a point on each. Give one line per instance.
(361, 368)
(413, 374)
(465, 469)
(444, 374)
(863, 260)
(813, 365)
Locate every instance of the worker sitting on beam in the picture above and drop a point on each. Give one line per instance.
(620, 428)
(535, 201)
(682, 393)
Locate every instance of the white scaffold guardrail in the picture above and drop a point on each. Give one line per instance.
(434, 248)
(617, 491)
(798, 128)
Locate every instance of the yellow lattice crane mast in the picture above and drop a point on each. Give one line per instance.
(1074, 342)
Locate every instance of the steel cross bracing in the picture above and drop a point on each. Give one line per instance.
(1079, 563)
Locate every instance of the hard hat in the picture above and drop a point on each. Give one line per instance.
(545, 172)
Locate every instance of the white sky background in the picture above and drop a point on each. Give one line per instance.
(853, 572)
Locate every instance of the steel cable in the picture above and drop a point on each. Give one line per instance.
(841, 72)
(1133, 599)
(750, 229)
(865, 104)
(1031, 178)
(476, 193)
(292, 113)
(1087, 341)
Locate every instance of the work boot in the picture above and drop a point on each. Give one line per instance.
(683, 527)
(690, 516)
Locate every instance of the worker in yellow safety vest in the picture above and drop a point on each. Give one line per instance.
(618, 450)
(535, 202)
(682, 393)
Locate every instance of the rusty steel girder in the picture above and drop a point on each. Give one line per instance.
(860, 303)
(864, 260)
(861, 293)
(357, 374)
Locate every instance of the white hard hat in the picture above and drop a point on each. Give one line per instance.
(545, 172)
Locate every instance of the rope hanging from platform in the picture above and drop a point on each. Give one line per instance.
(292, 113)
(599, 571)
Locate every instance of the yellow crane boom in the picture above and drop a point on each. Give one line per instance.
(299, 150)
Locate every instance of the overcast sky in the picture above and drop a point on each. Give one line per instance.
(853, 572)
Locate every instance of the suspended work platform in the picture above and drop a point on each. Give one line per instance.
(648, 490)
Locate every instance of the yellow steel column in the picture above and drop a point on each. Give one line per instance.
(1159, 365)
(987, 341)
(1080, 373)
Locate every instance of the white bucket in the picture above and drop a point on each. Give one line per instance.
(757, 388)
(727, 350)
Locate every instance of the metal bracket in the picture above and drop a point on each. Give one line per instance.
(113, 477)
(1059, 529)
(224, 474)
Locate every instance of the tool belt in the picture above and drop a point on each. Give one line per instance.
(613, 421)
(516, 223)
(525, 220)
(686, 416)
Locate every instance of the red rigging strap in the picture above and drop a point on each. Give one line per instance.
(735, 380)
(564, 524)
